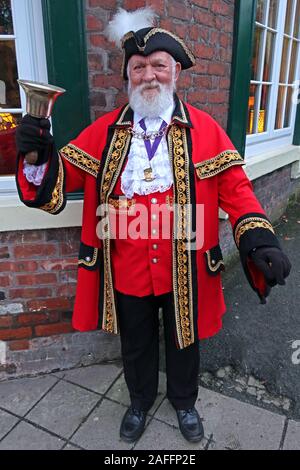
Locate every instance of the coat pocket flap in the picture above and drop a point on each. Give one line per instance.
(214, 260)
(88, 257)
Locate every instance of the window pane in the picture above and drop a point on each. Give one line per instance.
(6, 24)
(264, 109)
(258, 41)
(273, 13)
(297, 21)
(252, 115)
(267, 76)
(284, 60)
(292, 74)
(280, 107)
(261, 11)
(288, 109)
(9, 88)
(289, 17)
(8, 124)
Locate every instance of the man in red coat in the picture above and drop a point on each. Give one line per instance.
(154, 174)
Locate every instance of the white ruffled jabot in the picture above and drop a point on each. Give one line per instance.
(133, 178)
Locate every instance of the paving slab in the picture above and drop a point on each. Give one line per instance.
(27, 437)
(292, 437)
(7, 421)
(101, 430)
(64, 408)
(20, 395)
(233, 424)
(97, 378)
(119, 392)
(161, 436)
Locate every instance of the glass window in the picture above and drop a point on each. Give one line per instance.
(275, 69)
(10, 102)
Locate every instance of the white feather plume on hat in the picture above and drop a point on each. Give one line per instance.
(125, 21)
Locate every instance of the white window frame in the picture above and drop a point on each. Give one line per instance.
(259, 144)
(31, 59)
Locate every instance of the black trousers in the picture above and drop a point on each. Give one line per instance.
(139, 329)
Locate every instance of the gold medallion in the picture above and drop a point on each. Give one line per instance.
(148, 174)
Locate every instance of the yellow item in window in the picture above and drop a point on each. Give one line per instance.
(7, 121)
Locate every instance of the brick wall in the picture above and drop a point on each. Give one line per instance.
(38, 272)
(206, 26)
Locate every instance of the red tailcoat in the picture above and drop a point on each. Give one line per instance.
(207, 170)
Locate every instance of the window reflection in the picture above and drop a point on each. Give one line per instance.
(6, 24)
(8, 125)
(9, 93)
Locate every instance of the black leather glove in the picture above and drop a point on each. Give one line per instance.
(34, 134)
(273, 263)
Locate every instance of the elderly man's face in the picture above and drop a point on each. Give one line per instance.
(148, 72)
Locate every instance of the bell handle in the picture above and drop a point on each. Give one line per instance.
(31, 157)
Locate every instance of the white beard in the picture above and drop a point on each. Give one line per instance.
(151, 106)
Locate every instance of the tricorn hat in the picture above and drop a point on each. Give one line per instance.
(136, 34)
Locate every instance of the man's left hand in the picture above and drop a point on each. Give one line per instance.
(273, 263)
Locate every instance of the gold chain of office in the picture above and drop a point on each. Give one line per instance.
(152, 135)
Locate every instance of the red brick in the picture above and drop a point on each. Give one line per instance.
(6, 321)
(17, 333)
(202, 3)
(218, 97)
(112, 4)
(93, 23)
(4, 253)
(95, 62)
(225, 40)
(37, 319)
(99, 40)
(204, 52)
(185, 80)
(71, 248)
(49, 304)
(21, 345)
(67, 290)
(107, 81)
(23, 236)
(225, 83)
(179, 10)
(18, 345)
(197, 96)
(203, 17)
(56, 329)
(221, 8)
(27, 293)
(59, 264)
(121, 99)
(29, 251)
(18, 266)
(133, 4)
(217, 68)
(202, 82)
(36, 279)
(4, 281)
(157, 5)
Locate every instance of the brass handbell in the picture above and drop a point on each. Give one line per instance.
(40, 99)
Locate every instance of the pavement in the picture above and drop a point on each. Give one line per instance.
(81, 409)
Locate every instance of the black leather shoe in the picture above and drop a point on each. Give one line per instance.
(133, 425)
(190, 425)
